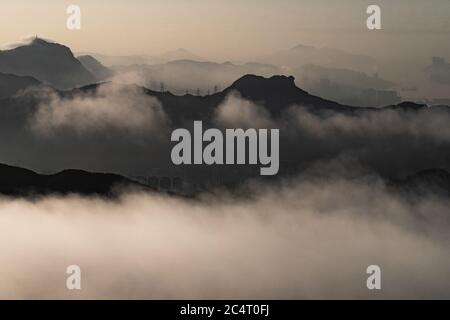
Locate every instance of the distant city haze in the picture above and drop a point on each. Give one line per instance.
(234, 29)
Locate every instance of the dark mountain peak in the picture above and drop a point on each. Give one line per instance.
(38, 44)
(277, 93)
(41, 42)
(249, 83)
(49, 62)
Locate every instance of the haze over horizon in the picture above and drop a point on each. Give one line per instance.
(234, 29)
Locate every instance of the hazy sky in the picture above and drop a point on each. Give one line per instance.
(232, 28)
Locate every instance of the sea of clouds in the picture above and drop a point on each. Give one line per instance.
(302, 238)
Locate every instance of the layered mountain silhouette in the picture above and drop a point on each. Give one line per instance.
(180, 76)
(327, 57)
(110, 61)
(276, 94)
(55, 135)
(114, 61)
(347, 86)
(15, 181)
(48, 62)
(112, 150)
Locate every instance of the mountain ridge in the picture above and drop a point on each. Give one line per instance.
(10, 84)
(17, 181)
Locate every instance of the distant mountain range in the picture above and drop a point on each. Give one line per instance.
(334, 74)
(323, 71)
(128, 155)
(111, 61)
(48, 62)
(276, 94)
(16, 181)
(291, 58)
(347, 86)
(327, 57)
(181, 76)
(313, 128)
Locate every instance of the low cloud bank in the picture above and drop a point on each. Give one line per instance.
(112, 107)
(300, 239)
(425, 123)
(236, 112)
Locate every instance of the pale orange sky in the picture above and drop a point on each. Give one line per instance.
(232, 29)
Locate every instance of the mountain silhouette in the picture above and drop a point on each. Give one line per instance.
(346, 86)
(11, 84)
(385, 151)
(15, 181)
(180, 76)
(48, 62)
(276, 94)
(95, 67)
